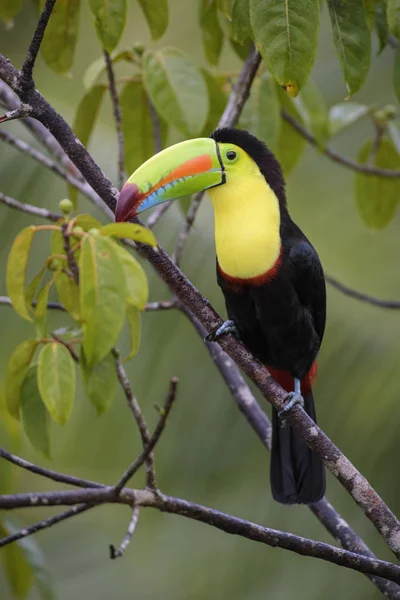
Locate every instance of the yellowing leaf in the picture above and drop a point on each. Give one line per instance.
(41, 310)
(156, 13)
(58, 45)
(17, 367)
(131, 231)
(35, 417)
(17, 570)
(137, 287)
(56, 381)
(68, 291)
(87, 222)
(32, 287)
(110, 17)
(133, 315)
(102, 296)
(16, 270)
(100, 382)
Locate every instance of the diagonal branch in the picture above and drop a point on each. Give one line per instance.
(117, 118)
(347, 291)
(43, 213)
(126, 541)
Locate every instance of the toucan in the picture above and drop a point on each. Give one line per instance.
(268, 271)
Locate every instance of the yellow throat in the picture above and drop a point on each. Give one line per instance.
(247, 223)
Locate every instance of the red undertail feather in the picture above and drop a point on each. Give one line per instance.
(286, 380)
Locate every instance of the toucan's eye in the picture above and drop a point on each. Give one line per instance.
(231, 155)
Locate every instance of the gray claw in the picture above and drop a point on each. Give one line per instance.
(227, 327)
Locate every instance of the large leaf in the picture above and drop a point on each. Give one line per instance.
(352, 40)
(9, 9)
(261, 114)
(110, 17)
(17, 367)
(134, 323)
(344, 114)
(100, 382)
(35, 417)
(212, 35)
(137, 125)
(24, 560)
(393, 17)
(286, 32)
(156, 13)
(241, 26)
(131, 231)
(102, 296)
(314, 111)
(217, 99)
(56, 381)
(16, 271)
(87, 112)
(137, 288)
(41, 310)
(98, 66)
(291, 144)
(377, 197)
(177, 89)
(58, 45)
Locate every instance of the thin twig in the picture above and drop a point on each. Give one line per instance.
(344, 289)
(160, 305)
(157, 214)
(45, 524)
(139, 418)
(117, 117)
(126, 541)
(43, 213)
(19, 113)
(379, 131)
(154, 438)
(26, 79)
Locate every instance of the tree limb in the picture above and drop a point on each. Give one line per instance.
(126, 541)
(26, 79)
(29, 208)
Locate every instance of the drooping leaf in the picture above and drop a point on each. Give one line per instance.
(290, 143)
(217, 99)
(393, 17)
(369, 8)
(98, 66)
(287, 36)
(16, 271)
(381, 26)
(344, 114)
(137, 287)
(177, 89)
(41, 310)
(9, 10)
(138, 126)
(17, 367)
(212, 35)
(87, 112)
(134, 322)
(261, 114)
(377, 197)
(33, 286)
(35, 418)
(56, 381)
(131, 231)
(24, 561)
(102, 296)
(87, 222)
(352, 40)
(156, 13)
(100, 382)
(58, 45)
(241, 26)
(396, 73)
(110, 18)
(314, 111)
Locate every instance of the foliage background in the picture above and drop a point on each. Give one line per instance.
(208, 453)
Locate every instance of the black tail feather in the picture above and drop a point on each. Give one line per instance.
(297, 473)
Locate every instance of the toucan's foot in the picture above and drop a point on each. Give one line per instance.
(293, 397)
(227, 327)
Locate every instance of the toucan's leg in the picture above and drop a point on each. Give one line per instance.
(293, 397)
(227, 327)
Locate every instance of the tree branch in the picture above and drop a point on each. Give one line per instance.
(43, 213)
(117, 118)
(26, 79)
(126, 541)
(19, 113)
(391, 304)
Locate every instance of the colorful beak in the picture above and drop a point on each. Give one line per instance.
(185, 168)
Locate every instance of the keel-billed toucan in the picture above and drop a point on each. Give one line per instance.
(268, 271)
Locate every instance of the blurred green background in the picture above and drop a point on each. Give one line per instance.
(208, 453)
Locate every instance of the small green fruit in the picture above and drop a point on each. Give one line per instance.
(66, 206)
(78, 231)
(93, 231)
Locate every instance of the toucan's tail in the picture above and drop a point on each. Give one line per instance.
(297, 473)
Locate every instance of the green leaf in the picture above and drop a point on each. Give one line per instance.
(393, 17)
(212, 35)
(217, 100)
(9, 9)
(344, 114)
(41, 310)
(137, 125)
(177, 89)
(261, 114)
(377, 197)
(130, 231)
(137, 287)
(352, 41)
(241, 26)
(56, 381)
(67, 290)
(87, 112)
(17, 367)
(396, 73)
(314, 111)
(369, 8)
(394, 134)
(16, 271)
(98, 66)
(110, 18)
(33, 286)
(102, 296)
(58, 45)
(287, 36)
(290, 143)
(26, 559)
(156, 13)
(381, 26)
(35, 417)
(100, 382)
(133, 315)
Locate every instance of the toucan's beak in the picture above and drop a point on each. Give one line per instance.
(185, 168)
